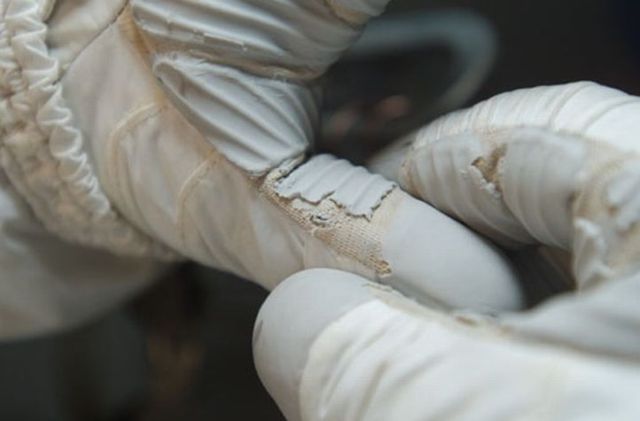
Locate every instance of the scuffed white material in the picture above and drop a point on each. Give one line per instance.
(607, 240)
(494, 181)
(355, 189)
(556, 165)
(43, 152)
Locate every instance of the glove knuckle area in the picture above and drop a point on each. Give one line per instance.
(543, 165)
(513, 185)
(256, 123)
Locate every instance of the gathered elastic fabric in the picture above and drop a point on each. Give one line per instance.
(40, 149)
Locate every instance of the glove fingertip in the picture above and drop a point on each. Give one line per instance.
(293, 316)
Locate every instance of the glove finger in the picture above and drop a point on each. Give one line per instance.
(331, 346)
(555, 165)
(242, 71)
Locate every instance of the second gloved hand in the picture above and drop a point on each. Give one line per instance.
(557, 166)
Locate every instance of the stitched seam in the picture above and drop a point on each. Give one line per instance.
(94, 38)
(189, 186)
(295, 75)
(129, 123)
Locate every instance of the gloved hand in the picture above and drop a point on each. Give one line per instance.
(552, 165)
(172, 129)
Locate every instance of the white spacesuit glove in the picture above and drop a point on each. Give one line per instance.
(47, 283)
(557, 166)
(170, 129)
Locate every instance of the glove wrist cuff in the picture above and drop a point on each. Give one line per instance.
(40, 149)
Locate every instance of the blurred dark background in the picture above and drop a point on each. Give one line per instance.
(182, 350)
(550, 42)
